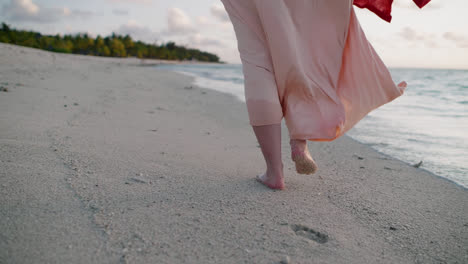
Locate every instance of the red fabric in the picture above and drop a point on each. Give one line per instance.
(383, 8)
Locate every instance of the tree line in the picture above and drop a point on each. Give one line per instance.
(110, 46)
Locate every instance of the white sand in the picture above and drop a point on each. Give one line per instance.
(138, 169)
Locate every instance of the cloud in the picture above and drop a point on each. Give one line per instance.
(77, 13)
(219, 12)
(20, 9)
(26, 10)
(198, 40)
(208, 33)
(409, 34)
(179, 27)
(120, 12)
(138, 32)
(416, 38)
(197, 33)
(145, 2)
(459, 40)
(202, 20)
(178, 22)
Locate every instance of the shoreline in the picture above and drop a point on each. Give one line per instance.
(411, 165)
(109, 162)
(194, 82)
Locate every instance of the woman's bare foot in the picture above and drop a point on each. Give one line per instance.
(272, 181)
(301, 156)
(402, 85)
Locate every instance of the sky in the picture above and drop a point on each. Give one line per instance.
(433, 37)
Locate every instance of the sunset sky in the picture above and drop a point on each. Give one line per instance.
(434, 37)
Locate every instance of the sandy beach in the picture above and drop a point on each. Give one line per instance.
(105, 161)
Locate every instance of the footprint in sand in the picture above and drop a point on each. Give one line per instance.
(309, 233)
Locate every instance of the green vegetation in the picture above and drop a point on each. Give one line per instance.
(111, 46)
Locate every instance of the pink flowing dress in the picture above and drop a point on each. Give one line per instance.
(309, 62)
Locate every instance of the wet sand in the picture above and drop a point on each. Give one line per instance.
(104, 161)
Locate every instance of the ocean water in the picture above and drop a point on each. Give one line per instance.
(429, 123)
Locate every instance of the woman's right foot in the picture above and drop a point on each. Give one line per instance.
(305, 164)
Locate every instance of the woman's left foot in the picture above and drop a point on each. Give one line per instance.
(305, 164)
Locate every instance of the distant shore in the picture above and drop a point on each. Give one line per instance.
(105, 162)
(114, 45)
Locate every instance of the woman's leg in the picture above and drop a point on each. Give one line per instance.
(269, 138)
(305, 164)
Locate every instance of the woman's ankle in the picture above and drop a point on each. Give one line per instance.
(275, 170)
(298, 144)
(298, 148)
